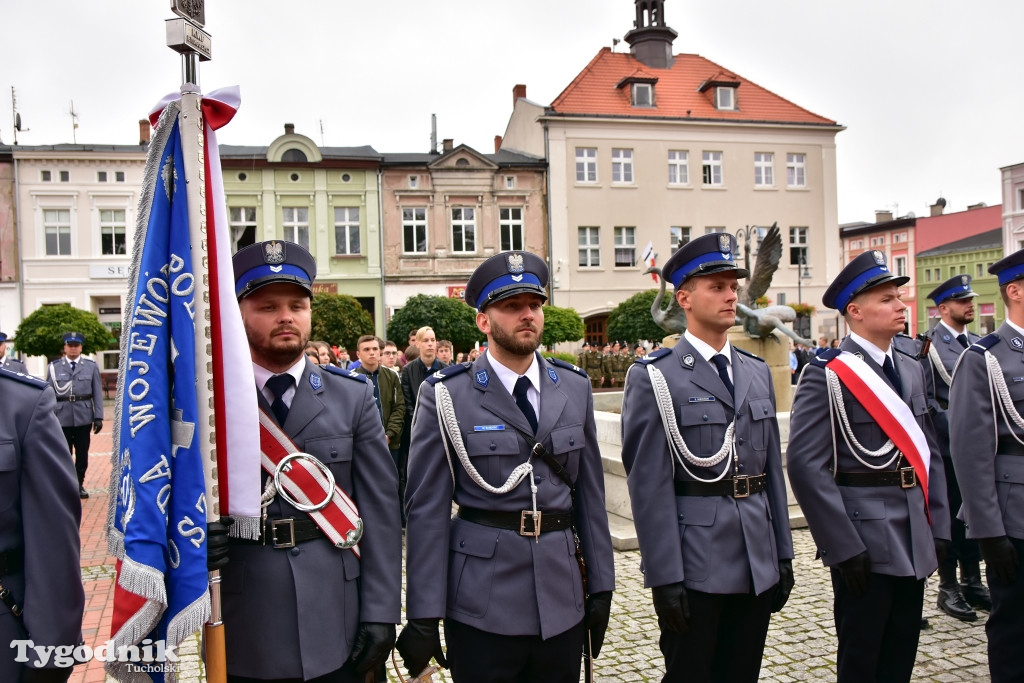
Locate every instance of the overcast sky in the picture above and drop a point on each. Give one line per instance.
(929, 90)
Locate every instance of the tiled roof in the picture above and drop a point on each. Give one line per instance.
(677, 93)
(991, 239)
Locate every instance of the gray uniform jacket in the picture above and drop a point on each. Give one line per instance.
(713, 544)
(294, 613)
(888, 522)
(39, 517)
(937, 390)
(73, 409)
(13, 364)
(989, 461)
(489, 578)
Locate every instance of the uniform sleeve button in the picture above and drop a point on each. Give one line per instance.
(682, 517)
(572, 441)
(494, 446)
(462, 544)
(705, 418)
(856, 513)
(765, 410)
(1006, 476)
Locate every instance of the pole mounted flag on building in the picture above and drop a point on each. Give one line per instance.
(648, 257)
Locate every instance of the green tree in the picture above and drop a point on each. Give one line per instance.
(631, 320)
(451, 319)
(339, 319)
(42, 332)
(561, 325)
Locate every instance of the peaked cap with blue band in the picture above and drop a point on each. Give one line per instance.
(74, 338)
(1009, 269)
(861, 274)
(507, 274)
(956, 287)
(706, 255)
(265, 263)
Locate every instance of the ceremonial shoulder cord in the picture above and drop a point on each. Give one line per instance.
(998, 388)
(933, 356)
(677, 446)
(449, 424)
(836, 404)
(61, 389)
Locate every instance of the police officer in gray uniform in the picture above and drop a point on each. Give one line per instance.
(949, 338)
(40, 576)
(295, 606)
(511, 438)
(700, 443)
(861, 493)
(986, 439)
(6, 361)
(79, 390)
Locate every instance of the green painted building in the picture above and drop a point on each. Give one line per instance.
(969, 256)
(324, 198)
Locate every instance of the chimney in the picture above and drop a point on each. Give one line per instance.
(289, 129)
(497, 144)
(938, 207)
(446, 145)
(979, 205)
(518, 93)
(144, 131)
(882, 216)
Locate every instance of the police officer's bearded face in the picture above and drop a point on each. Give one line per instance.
(72, 350)
(277, 320)
(960, 311)
(514, 325)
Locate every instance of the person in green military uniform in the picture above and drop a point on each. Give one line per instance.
(591, 363)
(614, 366)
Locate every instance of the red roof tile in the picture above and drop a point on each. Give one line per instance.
(594, 91)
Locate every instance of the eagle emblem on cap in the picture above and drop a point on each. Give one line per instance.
(273, 252)
(965, 281)
(724, 243)
(879, 257)
(515, 263)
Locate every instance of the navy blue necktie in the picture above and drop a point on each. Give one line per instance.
(523, 386)
(278, 385)
(722, 363)
(894, 377)
(962, 338)
(73, 364)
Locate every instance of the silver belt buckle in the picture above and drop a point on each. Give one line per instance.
(531, 515)
(908, 478)
(289, 524)
(741, 487)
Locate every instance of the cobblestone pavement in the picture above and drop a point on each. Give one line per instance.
(801, 641)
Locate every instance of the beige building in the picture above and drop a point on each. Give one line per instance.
(1013, 207)
(444, 213)
(651, 147)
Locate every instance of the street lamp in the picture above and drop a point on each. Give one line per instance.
(803, 273)
(745, 234)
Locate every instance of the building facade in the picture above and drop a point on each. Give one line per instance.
(968, 256)
(1013, 207)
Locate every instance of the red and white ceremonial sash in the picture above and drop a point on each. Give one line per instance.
(306, 483)
(888, 410)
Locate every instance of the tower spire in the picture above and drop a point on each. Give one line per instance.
(651, 39)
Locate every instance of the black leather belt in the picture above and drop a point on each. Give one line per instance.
(73, 399)
(10, 562)
(904, 477)
(522, 521)
(285, 532)
(734, 487)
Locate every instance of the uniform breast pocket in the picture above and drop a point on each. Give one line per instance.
(702, 426)
(8, 475)
(335, 451)
(919, 405)
(486, 449)
(762, 411)
(566, 444)
(864, 426)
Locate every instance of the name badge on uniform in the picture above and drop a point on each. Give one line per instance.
(489, 428)
(1018, 379)
(702, 399)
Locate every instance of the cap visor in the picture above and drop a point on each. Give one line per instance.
(513, 290)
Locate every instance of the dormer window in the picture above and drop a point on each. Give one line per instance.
(725, 98)
(294, 156)
(643, 95)
(723, 87)
(641, 88)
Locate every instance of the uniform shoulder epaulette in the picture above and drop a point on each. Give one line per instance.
(906, 345)
(351, 374)
(653, 356)
(985, 343)
(825, 356)
(445, 373)
(749, 354)
(558, 362)
(23, 378)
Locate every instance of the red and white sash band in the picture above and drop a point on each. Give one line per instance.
(888, 410)
(302, 482)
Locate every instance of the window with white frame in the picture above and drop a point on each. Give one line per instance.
(764, 169)
(45, 176)
(856, 244)
(118, 176)
(101, 176)
(622, 166)
(586, 164)
(643, 95)
(678, 236)
(295, 221)
(796, 170)
(510, 228)
(725, 97)
(878, 241)
(963, 270)
(346, 231)
(414, 182)
(797, 246)
(242, 222)
(928, 274)
(938, 274)
(898, 237)
(979, 270)
(713, 229)
(678, 167)
(112, 232)
(899, 265)
(65, 176)
(57, 231)
(463, 230)
(712, 168)
(510, 182)
(590, 247)
(414, 230)
(625, 247)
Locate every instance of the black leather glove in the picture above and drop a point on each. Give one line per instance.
(419, 641)
(855, 573)
(372, 647)
(97, 425)
(672, 607)
(1000, 558)
(595, 619)
(217, 543)
(785, 587)
(941, 550)
(30, 674)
